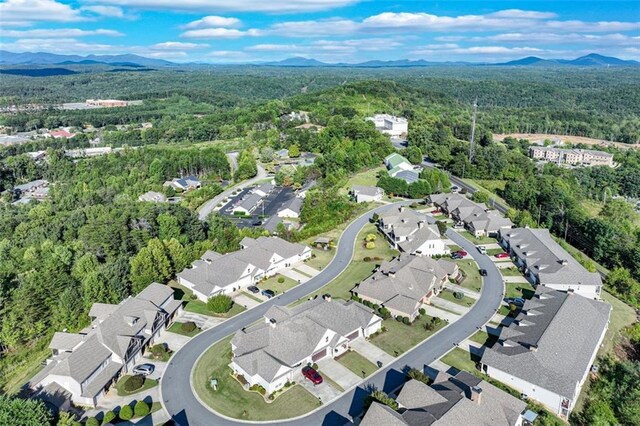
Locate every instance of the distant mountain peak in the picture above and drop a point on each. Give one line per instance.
(44, 58)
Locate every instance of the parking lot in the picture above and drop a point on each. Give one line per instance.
(270, 206)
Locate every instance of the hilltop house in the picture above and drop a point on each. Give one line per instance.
(364, 194)
(184, 183)
(400, 168)
(86, 364)
(546, 263)
(462, 399)
(407, 230)
(390, 125)
(404, 284)
(273, 352)
(548, 350)
(215, 273)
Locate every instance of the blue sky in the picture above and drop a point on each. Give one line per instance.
(226, 31)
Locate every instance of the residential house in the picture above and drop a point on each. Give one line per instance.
(184, 183)
(248, 204)
(573, 157)
(26, 190)
(62, 133)
(463, 399)
(546, 263)
(400, 168)
(390, 125)
(273, 353)
(257, 259)
(86, 364)
(407, 230)
(153, 197)
(295, 116)
(548, 350)
(291, 208)
(476, 217)
(404, 284)
(365, 194)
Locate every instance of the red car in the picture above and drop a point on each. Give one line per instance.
(462, 253)
(502, 255)
(312, 375)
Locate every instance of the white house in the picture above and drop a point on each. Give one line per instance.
(548, 350)
(407, 230)
(86, 364)
(364, 194)
(273, 353)
(258, 259)
(291, 208)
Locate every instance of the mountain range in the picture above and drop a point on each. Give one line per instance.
(130, 60)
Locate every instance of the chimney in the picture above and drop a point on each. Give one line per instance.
(533, 348)
(272, 321)
(401, 209)
(476, 394)
(207, 261)
(420, 224)
(327, 297)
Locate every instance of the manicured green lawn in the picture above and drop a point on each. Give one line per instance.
(230, 399)
(524, 290)
(400, 337)
(148, 384)
(472, 280)
(366, 178)
(462, 360)
(359, 269)
(279, 287)
(199, 307)
(355, 362)
(454, 248)
(510, 272)
(482, 240)
(447, 294)
(176, 327)
(504, 310)
(622, 315)
(484, 338)
(493, 252)
(320, 258)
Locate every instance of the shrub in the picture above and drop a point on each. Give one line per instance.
(259, 389)
(370, 245)
(370, 237)
(458, 295)
(141, 409)
(384, 313)
(126, 413)
(220, 304)
(280, 280)
(133, 383)
(159, 350)
(375, 307)
(406, 320)
(399, 318)
(314, 366)
(92, 421)
(419, 376)
(422, 311)
(429, 326)
(188, 327)
(109, 417)
(366, 259)
(382, 398)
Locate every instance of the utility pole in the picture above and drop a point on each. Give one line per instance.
(472, 146)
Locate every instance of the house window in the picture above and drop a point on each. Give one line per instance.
(327, 339)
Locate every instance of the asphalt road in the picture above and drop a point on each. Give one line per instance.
(208, 207)
(182, 405)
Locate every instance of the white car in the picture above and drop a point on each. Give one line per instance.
(482, 249)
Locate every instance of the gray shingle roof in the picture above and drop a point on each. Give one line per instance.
(65, 341)
(370, 191)
(421, 236)
(264, 348)
(564, 337)
(546, 259)
(294, 204)
(156, 293)
(381, 415)
(250, 203)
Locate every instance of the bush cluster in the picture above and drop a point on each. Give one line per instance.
(220, 304)
(134, 383)
(141, 409)
(126, 413)
(188, 327)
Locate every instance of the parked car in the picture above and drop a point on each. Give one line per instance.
(268, 293)
(458, 225)
(436, 211)
(518, 301)
(483, 272)
(462, 253)
(312, 375)
(455, 256)
(253, 289)
(502, 255)
(482, 249)
(143, 369)
(454, 189)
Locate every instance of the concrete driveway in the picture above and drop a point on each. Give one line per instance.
(175, 341)
(518, 279)
(296, 276)
(304, 268)
(432, 311)
(244, 300)
(371, 351)
(202, 321)
(449, 306)
(338, 373)
(466, 291)
(324, 391)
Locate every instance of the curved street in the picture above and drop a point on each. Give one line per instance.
(181, 404)
(208, 207)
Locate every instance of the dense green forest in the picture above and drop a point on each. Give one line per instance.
(94, 242)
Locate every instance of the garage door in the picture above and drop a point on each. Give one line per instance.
(319, 355)
(353, 335)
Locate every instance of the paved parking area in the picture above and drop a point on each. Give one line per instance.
(324, 391)
(371, 351)
(338, 373)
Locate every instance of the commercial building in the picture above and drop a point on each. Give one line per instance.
(390, 125)
(574, 157)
